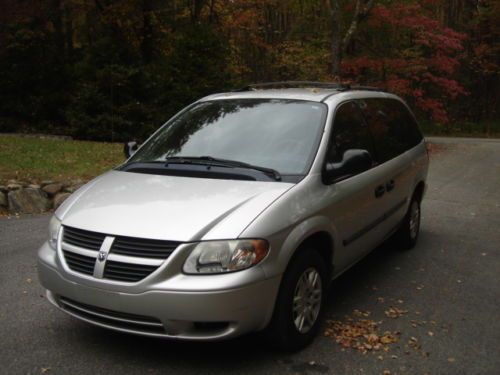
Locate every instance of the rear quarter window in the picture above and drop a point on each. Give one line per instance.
(393, 127)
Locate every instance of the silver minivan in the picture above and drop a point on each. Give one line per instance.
(237, 213)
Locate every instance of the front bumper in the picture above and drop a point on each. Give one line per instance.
(181, 312)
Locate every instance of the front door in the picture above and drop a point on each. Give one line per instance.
(356, 204)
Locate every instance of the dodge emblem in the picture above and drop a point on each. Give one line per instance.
(101, 256)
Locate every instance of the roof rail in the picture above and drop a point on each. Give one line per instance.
(304, 84)
(366, 88)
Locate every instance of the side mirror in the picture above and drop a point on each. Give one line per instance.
(353, 162)
(129, 148)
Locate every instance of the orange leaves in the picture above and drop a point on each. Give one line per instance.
(360, 334)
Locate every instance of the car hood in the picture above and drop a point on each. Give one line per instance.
(168, 207)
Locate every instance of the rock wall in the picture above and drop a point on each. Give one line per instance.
(20, 197)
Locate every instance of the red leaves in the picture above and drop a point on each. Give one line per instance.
(421, 61)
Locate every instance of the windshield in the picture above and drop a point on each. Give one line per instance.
(278, 134)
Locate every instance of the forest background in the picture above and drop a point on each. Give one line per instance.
(116, 70)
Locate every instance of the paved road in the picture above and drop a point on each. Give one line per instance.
(451, 281)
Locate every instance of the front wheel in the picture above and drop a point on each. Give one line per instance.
(298, 307)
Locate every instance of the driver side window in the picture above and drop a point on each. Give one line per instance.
(349, 132)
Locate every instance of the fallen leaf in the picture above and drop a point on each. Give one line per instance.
(359, 313)
(451, 359)
(388, 338)
(45, 370)
(395, 312)
(430, 333)
(372, 338)
(360, 334)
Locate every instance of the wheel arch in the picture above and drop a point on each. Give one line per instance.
(419, 190)
(316, 233)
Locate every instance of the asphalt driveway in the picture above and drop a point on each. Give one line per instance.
(447, 291)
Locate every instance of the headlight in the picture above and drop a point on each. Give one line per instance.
(54, 227)
(225, 256)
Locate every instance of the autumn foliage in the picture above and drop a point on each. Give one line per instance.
(423, 69)
(115, 70)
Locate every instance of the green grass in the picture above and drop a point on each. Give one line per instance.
(34, 159)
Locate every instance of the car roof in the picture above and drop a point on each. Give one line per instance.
(297, 90)
(310, 94)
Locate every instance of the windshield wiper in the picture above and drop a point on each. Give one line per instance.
(209, 160)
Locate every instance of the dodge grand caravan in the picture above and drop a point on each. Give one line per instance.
(238, 212)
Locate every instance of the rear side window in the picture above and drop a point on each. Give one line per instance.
(393, 127)
(349, 132)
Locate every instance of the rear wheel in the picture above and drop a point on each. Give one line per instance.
(407, 234)
(298, 307)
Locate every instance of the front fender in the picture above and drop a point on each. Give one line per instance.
(285, 245)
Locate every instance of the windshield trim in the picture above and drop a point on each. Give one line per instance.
(286, 176)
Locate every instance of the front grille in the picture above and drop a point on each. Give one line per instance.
(110, 318)
(127, 271)
(145, 248)
(79, 263)
(83, 238)
(129, 259)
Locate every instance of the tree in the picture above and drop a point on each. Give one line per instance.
(340, 41)
(415, 56)
(113, 70)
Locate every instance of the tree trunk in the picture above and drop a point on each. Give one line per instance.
(339, 44)
(361, 12)
(197, 8)
(68, 30)
(147, 31)
(336, 37)
(57, 20)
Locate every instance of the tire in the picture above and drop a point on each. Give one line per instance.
(285, 331)
(407, 234)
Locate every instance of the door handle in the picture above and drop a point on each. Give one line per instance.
(379, 191)
(390, 185)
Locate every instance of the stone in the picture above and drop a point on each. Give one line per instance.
(28, 201)
(52, 189)
(17, 182)
(3, 189)
(13, 186)
(47, 182)
(60, 198)
(34, 186)
(3, 199)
